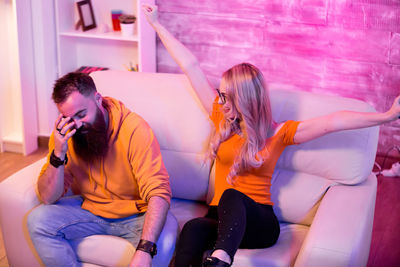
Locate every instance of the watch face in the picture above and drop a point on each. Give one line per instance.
(152, 249)
(55, 161)
(148, 247)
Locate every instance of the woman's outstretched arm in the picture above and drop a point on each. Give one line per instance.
(344, 120)
(184, 58)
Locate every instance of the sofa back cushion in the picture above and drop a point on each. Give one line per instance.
(304, 172)
(346, 157)
(168, 104)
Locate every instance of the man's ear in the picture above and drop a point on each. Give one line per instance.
(98, 98)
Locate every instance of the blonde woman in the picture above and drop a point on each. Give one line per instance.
(246, 146)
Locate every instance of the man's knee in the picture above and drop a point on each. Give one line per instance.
(38, 217)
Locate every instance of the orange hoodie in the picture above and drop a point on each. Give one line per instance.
(120, 184)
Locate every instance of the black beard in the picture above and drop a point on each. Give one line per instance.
(93, 144)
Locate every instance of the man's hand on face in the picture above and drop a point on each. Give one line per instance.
(61, 135)
(141, 259)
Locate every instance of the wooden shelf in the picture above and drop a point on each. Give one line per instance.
(104, 36)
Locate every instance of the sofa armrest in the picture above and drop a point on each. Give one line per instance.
(17, 198)
(340, 234)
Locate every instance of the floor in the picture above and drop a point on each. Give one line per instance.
(385, 247)
(3, 257)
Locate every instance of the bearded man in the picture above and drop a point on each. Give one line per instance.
(109, 157)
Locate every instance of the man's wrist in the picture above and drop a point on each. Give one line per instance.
(56, 161)
(148, 247)
(59, 155)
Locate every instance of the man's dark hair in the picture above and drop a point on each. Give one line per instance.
(73, 81)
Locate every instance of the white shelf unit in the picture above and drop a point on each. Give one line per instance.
(103, 47)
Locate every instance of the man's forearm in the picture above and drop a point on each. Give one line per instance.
(51, 184)
(155, 218)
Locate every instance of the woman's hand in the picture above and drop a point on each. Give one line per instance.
(151, 12)
(62, 133)
(394, 111)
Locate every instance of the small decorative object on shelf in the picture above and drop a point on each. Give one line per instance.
(115, 13)
(89, 69)
(86, 16)
(131, 67)
(127, 23)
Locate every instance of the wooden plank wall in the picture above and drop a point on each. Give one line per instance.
(341, 47)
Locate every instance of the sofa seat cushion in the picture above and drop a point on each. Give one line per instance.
(106, 250)
(283, 253)
(296, 195)
(185, 210)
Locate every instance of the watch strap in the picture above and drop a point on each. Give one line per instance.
(147, 246)
(56, 161)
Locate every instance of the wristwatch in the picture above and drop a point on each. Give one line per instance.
(148, 247)
(56, 161)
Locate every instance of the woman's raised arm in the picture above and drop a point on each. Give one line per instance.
(184, 58)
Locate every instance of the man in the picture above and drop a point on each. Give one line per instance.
(110, 157)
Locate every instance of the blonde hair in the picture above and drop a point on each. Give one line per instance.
(247, 110)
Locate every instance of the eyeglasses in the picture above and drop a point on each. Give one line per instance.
(222, 96)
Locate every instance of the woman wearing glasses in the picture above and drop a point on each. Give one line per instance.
(245, 146)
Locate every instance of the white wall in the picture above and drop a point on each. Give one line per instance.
(10, 91)
(45, 63)
(27, 72)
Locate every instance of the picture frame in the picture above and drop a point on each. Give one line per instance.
(86, 15)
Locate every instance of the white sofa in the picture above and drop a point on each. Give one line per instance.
(324, 191)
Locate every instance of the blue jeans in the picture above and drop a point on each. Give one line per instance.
(52, 226)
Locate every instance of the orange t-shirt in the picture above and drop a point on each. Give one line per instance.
(255, 183)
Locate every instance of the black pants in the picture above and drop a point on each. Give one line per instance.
(237, 222)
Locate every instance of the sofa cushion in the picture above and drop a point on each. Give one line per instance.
(345, 157)
(185, 210)
(283, 253)
(119, 251)
(183, 139)
(296, 195)
(191, 168)
(304, 172)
